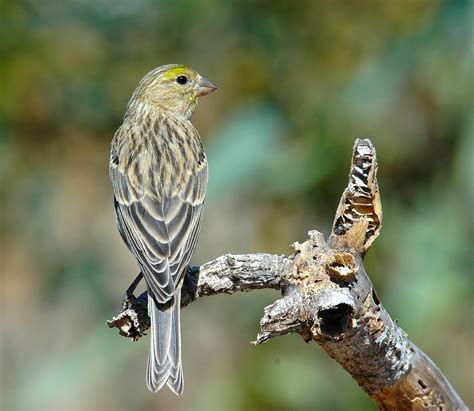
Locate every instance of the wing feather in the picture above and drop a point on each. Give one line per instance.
(160, 228)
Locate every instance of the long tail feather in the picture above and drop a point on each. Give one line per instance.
(164, 359)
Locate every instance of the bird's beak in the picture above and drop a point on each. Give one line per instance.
(205, 86)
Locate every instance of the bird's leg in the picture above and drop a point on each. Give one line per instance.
(133, 285)
(130, 290)
(132, 321)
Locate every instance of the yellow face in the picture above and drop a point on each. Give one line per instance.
(174, 89)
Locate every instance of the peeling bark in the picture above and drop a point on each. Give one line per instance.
(327, 297)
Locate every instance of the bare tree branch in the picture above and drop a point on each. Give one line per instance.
(327, 297)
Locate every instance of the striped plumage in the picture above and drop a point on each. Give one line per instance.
(158, 170)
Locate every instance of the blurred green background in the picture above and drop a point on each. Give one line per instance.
(299, 81)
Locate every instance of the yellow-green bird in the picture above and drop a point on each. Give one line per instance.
(158, 170)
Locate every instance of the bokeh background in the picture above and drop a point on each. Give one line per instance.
(299, 81)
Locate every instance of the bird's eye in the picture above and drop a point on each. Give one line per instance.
(181, 80)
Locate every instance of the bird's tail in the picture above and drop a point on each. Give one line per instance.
(164, 359)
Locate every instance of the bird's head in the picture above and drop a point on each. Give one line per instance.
(173, 89)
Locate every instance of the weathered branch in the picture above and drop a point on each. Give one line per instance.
(327, 297)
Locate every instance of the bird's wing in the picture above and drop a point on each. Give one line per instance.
(160, 226)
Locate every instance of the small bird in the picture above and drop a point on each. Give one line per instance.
(158, 171)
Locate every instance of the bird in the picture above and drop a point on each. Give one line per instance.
(159, 174)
